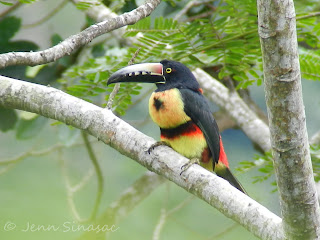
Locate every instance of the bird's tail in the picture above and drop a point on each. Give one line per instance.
(222, 171)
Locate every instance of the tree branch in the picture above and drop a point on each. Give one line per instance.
(292, 162)
(76, 41)
(104, 125)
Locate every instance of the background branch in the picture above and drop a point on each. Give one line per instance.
(256, 129)
(128, 200)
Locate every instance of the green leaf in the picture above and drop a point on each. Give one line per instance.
(6, 3)
(18, 46)
(56, 39)
(27, 1)
(30, 128)
(8, 28)
(8, 119)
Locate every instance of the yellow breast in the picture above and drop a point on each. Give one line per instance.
(167, 109)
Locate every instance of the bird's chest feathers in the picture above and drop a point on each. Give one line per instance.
(167, 109)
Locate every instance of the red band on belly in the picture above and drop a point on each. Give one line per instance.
(186, 129)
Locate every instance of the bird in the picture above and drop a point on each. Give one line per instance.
(183, 114)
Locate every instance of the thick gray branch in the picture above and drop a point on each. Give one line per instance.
(298, 198)
(104, 125)
(245, 118)
(76, 41)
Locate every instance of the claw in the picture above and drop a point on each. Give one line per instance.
(157, 144)
(186, 166)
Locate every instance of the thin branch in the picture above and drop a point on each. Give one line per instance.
(10, 9)
(310, 15)
(74, 42)
(159, 226)
(117, 85)
(71, 190)
(30, 153)
(224, 232)
(98, 172)
(190, 5)
(47, 17)
(104, 125)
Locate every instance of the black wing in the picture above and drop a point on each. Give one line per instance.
(197, 108)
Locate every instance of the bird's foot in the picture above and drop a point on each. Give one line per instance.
(186, 166)
(157, 144)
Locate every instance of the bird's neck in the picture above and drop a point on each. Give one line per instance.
(166, 108)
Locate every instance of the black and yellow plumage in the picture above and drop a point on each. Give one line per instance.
(183, 114)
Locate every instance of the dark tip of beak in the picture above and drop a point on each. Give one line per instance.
(145, 73)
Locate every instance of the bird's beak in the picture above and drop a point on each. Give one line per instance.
(144, 72)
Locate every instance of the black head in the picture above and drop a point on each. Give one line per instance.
(166, 75)
(177, 75)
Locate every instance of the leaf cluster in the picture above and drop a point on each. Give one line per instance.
(264, 164)
(226, 39)
(89, 80)
(315, 157)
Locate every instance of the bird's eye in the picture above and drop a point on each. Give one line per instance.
(168, 70)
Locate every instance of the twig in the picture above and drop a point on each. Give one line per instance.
(10, 9)
(98, 172)
(190, 5)
(315, 14)
(227, 230)
(159, 226)
(47, 17)
(117, 85)
(202, 15)
(29, 153)
(71, 190)
(164, 214)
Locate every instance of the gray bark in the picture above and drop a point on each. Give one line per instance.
(74, 42)
(292, 163)
(104, 125)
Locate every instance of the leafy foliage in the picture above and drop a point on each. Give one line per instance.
(315, 157)
(84, 5)
(28, 128)
(310, 64)
(8, 119)
(264, 163)
(226, 41)
(89, 81)
(21, 1)
(229, 42)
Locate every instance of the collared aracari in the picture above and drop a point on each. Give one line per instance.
(182, 113)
